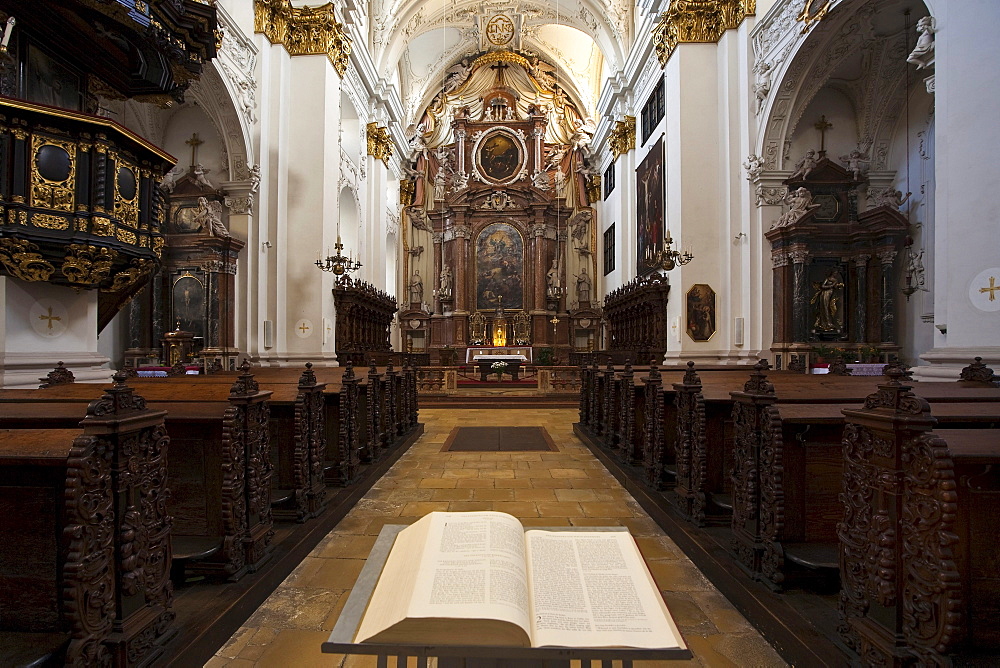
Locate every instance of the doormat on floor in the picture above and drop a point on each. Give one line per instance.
(499, 439)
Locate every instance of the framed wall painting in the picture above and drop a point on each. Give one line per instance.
(499, 267)
(701, 312)
(649, 208)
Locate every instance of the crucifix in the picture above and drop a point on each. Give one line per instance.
(500, 68)
(991, 288)
(194, 143)
(822, 125)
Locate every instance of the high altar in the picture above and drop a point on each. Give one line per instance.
(500, 234)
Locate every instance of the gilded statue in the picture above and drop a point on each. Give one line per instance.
(828, 300)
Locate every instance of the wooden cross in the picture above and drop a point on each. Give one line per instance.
(991, 288)
(500, 68)
(51, 317)
(822, 125)
(303, 328)
(194, 143)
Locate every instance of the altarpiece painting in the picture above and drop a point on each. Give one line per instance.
(499, 267)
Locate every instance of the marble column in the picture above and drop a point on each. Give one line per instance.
(800, 299)
(861, 297)
(462, 299)
(436, 238)
(779, 278)
(541, 265)
(888, 314)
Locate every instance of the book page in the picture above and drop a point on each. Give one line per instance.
(473, 567)
(592, 589)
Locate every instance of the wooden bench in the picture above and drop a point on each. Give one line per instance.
(219, 467)
(297, 430)
(918, 561)
(84, 537)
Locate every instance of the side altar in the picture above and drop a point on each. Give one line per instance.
(497, 213)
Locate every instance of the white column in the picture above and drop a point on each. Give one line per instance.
(967, 82)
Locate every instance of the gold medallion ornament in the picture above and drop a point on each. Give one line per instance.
(500, 30)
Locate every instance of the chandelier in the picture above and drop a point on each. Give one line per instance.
(338, 264)
(669, 257)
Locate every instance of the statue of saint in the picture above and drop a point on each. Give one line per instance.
(445, 289)
(827, 299)
(583, 286)
(416, 288)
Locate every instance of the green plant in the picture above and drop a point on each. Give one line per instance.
(869, 353)
(828, 353)
(545, 357)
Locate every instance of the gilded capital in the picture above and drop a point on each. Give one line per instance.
(304, 31)
(697, 21)
(379, 143)
(622, 136)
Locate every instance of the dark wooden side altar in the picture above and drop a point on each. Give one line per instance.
(194, 291)
(834, 269)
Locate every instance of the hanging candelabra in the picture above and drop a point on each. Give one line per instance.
(669, 257)
(338, 264)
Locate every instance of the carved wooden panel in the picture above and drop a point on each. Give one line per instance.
(691, 461)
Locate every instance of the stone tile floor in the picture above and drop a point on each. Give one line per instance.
(569, 487)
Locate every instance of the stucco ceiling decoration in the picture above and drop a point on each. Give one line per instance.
(416, 42)
(529, 81)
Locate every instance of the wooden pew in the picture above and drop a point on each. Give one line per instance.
(84, 537)
(296, 426)
(918, 556)
(219, 468)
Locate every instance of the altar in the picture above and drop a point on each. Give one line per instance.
(486, 362)
(473, 353)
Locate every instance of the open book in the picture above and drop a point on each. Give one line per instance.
(480, 578)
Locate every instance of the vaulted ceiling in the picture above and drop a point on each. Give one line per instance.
(414, 42)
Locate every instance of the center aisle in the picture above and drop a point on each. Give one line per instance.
(565, 488)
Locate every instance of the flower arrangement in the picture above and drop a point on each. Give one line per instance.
(499, 368)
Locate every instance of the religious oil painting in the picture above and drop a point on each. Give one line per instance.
(649, 208)
(499, 157)
(188, 300)
(182, 219)
(701, 312)
(499, 267)
(47, 81)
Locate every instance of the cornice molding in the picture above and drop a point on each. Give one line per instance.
(304, 31)
(698, 21)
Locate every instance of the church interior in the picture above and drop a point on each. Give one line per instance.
(696, 268)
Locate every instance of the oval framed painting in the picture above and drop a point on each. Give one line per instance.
(500, 156)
